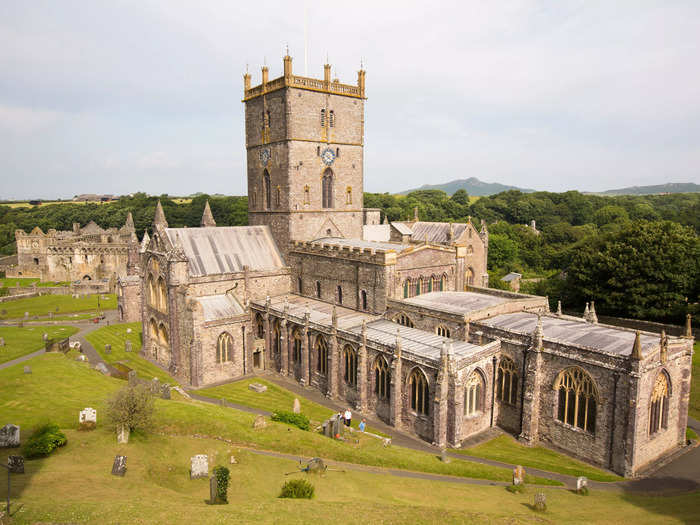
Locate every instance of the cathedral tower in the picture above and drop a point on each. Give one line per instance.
(304, 143)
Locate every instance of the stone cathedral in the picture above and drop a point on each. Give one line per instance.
(395, 319)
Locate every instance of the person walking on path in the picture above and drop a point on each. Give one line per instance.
(348, 417)
(362, 425)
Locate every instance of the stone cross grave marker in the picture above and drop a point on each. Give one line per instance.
(199, 466)
(16, 464)
(27, 370)
(581, 483)
(540, 502)
(122, 434)
(9, 436)
(87, 419)
(127, 346)
(119, 466)
(518, 475)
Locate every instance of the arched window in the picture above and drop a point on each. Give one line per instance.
(382, 378)
(307, 195)
(470, 249)
(162, 295)
(153, 330)
(299, 283)
(406, 288)
(277, 342)
(348, 195)
(442, 331)
(435, 283)
(318, 289)
(578, 398)
(340, 295)
(443, 283)
(152, 297)
(507, 386)
(363, 299)
(658, 412)
(296, 352)
(321, 348)
(473, 394)
(350, 374)
(323, 117)
(404, 320)
(163, 338)
(267, 191)
(419, 285)
(224, 348)
(419, 392)
(259, 327)
(469, 277)
(426, 285)
(327, 189)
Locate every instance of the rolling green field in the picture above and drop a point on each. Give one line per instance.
(58, 304)
(116, 336)
(506, 449)
(22, 341)
(29, 281)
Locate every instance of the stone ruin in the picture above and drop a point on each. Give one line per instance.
(334, 427)
(9, 436)
(199, 466)
(87, 420)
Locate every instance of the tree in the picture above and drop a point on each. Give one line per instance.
(461, 197)
(132, 406)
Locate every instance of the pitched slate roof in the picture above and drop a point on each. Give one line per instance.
(217, 250)
(436, 232)
(461, 303)
(221, 306)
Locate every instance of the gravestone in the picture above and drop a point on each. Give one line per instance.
(87, 419)
(2, 341)
(259, 421)
(57, 309)
(133, 378)
(16, 464)
(45, 337)
(581, 484)
(50, 315)
(540, 502)
(122, 434)
(26, 315)
(155, 386)
(444, 456)
(233, 460)
(81, 357)
(257, 387)
(108, 348)
(27, 370)
(119, 466)
(199, 466)
(338, 426)
(518, 475)
(128, 330)
(102, 368)
(127, 346)
(213, 490)
(297, 406)
(9, 436)
(326, 426)
(165, 392)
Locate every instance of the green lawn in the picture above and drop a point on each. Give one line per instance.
(11, 282)
(21, 341)
(116, 336)
(694, 407)
(506, 449)
(58, 304)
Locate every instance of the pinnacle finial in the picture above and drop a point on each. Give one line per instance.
(207, 217)
(592, 317)
(159, 218)
(129, 221)
(538, 334)
(637, 347)
(688, 327)
(334, 316)
(558, 307)
(586, 313)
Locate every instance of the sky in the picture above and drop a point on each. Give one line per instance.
(125, 96)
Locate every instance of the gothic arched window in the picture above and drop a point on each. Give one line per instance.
(658, 411)
(259, 327)
(469, 277)
(327, 189)
(507, 386)
(578, 398)
(162, 295)
(267, 191)
(363, 299)
(442, 331)
(321, 355)
(382, 378)
(163, 338)
(404, 320)
(406, 288)
(277, 342)
(473, 394)
(296, 350)
(443, 282)
(350, 374)
(224, 348)
(419, 392)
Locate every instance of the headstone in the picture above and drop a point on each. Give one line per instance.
(16, 464)
(297, 406)
(444, 456)
(233, 460)
(45, 337)
(338, 426)
(128, 330)
(326, 426)
(50, 315)
(581, 483)
(57, 309)
(87, 419)
(213, 490)
(81, 357)
(27, 370)
(9, 436)
(26, 315)
(540, 502)
(122, 434)
(2, 341)
(108, 348)
(127, 346)
(199, 466)
(119, 466)
(155, 386)
(259, 421)
(257, 387)
(518, 475)
(133, 378)
(102, 368)
(165, 392)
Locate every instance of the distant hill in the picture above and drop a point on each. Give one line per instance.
(671, 187)
(472, 185)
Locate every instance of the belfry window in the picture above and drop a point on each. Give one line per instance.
(578, 399)
(267, 190)
(331, 118)
(348, 195)
(323, 118)
(318, 289)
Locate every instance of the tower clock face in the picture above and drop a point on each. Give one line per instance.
(265, 155)
(328, 156)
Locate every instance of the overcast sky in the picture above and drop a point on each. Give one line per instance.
(144, 95)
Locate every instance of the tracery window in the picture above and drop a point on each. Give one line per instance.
(350, 374)
(321, 355)
(473, 394)
(163, 338)
(152, 300)
(578, 399)
(224, 348)
(507, 386)
(162, 295)
(442, 331)
(419, 392)
(404, 320)
(153, 330)
(259, 327)
(382, 378)
(658, 413)
(296, 349)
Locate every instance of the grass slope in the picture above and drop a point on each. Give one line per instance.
(56, 304)
(22, 341)
(29, 281)
(506, 449)
(116, 336)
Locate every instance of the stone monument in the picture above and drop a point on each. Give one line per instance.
(9, 436)
(119, 466)
(87, 419)
(199, 466)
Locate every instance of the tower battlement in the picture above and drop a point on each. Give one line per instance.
(288, 79)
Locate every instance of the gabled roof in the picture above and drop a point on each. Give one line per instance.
(221, 306)
(436, 232)
(212, 251)
(512, 276)
(402, 228)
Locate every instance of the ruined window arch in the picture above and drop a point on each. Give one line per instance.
(420, 394)
(152, 297)
(382, 378)
(350, 371)
(404, 320)
(473, 394)
(321, 348)
(162, 295)
(327, 189)
(163, 338)
(224, 348)
(507, 385)
(658, 406)
(469, 277)
(442, 331)
(153, 330)
(578, 398)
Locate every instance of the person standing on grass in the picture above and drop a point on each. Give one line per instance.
(348, 417)
(362, 425)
